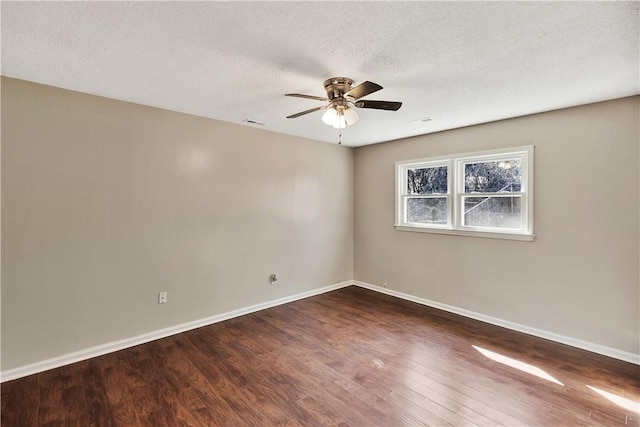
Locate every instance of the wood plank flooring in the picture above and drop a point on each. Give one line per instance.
(348, 357)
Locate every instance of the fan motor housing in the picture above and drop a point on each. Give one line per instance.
(336, 87)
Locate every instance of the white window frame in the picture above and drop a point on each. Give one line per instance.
(455, 194)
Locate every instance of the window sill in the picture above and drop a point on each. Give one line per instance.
(485, 234)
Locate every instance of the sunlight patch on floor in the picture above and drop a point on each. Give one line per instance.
(516, 364)
(628, 404)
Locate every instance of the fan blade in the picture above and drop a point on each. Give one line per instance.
(302, 113)
(379, 105)
(299, 95)
(363, 89)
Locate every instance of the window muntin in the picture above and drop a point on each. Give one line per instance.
(485, 193)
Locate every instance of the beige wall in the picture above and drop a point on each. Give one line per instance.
(579, 278)
(106, 203)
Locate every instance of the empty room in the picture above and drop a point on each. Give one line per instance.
(320, 213)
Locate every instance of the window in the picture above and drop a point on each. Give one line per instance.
(488, 194)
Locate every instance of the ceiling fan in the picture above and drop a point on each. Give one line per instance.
(342, 96)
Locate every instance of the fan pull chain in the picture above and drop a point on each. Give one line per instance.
(340, 137)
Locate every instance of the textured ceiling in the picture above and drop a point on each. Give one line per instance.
(457, 63)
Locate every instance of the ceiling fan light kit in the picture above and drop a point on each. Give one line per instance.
(340, 116)
(342, 98)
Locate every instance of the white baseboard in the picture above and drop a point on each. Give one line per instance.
(585, 345)
(99, 350)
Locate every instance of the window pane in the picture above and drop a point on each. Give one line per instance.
(493, 177)
(427, 180)
(496, 212)
(427, 211)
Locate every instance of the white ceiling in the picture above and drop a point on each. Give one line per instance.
(459, 63)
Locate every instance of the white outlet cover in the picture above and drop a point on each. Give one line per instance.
(162, 297)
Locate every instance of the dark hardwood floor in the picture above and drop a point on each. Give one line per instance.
(348, 357)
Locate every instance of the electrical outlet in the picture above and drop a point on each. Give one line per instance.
(162, 298)
(384, 284)
(273, 278)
